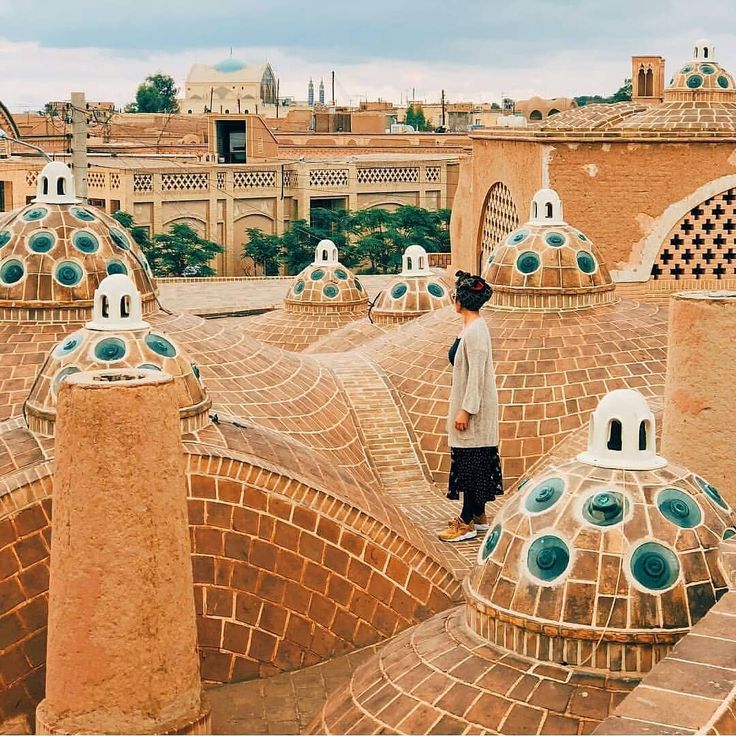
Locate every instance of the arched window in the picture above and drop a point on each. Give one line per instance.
(696, 52)
(535, 211)
(325, 256)
(643, 435)
(641, 83)
(552, 112)
(705, 52)
(615, 441)
(421, 263)
(125, 306)
(45, 185)
(548, 210)
(60, 186)
(408, 264)
(649, 83)
(535, 115)
(105, 306)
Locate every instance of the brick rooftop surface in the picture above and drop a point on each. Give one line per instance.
(285, 703)
(212, 297)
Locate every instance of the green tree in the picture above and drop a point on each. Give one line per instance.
(264, 249)
(415, 118)
(157, 93)
(182, 247)
(337, 226)
(141, 237)
(297, 246)
(372, 232)
(622, 94)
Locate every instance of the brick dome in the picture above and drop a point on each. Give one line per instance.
(547, 264)
(55, 252)
(117, 337)
(702, 78)
(415, 291)
(326, 285)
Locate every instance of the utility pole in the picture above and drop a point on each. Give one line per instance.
(333, 89)
(443, 108)
(277, 99)
(79, 144)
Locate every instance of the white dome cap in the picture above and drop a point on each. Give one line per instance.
(56, 185)
(546, 208)
(415, 262)
(703, 50)
(326, 253)
(117, 305)
(622, 433)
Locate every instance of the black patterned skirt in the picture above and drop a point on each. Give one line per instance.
(475, 470)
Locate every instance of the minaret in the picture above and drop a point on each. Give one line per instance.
(321, 92)
(310, 93)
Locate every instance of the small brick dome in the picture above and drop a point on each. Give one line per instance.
(55, 252)
(592, 550)
(547, 264)
(702, 78)
(117, 337)
(326, 285)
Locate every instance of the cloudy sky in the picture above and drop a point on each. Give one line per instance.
(474, 49)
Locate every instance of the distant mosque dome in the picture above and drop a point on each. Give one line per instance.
(229, 65)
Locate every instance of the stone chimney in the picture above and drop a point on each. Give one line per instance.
(122, 640)
(699, 427)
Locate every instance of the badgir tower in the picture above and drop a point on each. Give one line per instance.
(188, 506)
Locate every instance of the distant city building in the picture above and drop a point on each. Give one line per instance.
(539, 108)
(310, 92)
(229, 87)
(321, 92)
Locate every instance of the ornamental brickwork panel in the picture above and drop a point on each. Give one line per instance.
(433, 173)
(31, 178)
(500, 217)
(290, 178)
(254, 179)
(328, 178)
(114, 180)
(220, 179)
(142, 182)
(388, 174)
(702, 245)
(186, 182)
(96, 179)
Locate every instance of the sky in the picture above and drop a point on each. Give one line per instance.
(477, 50)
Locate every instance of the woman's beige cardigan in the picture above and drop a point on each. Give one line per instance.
(474, 389)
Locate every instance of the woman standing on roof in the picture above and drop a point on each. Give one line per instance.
(475, 469)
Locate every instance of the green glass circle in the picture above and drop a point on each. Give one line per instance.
(707, 69)
(5, 237)
(556, 240)
(69, 345)
(81, 214)
(490, 542)
(582, 237)
(317, 275)
(110, 350)
(340, 274)
(490, 259)
(298, 287)
(85, 242)
(686, 69)
(435, 290)
(679, 508)
(11, 272)
(528, 263)
(115, 266)
(160, 345)
(399, 290)
(654, 566)
(41, 242)
(330, 291)
(35, 213)
(548, 557)
(711, 492)
(195, 370)
(586, 262)
(517, 237)
(358, 285)
(723, 81)
(151, 367)
(729, 533)
(605, 508)
(69, 273)
(694, 81)
(61, 375)
(119, 238)
(544, 495)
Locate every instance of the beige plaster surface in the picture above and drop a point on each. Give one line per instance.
(122, 645)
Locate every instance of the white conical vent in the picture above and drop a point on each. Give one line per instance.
(326, 253)
(622, 433)
(117, 305)
(546, 208)
(415, 262)
(56, 185)
(704, 51)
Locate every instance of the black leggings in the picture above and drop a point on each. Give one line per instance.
(471, 508)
